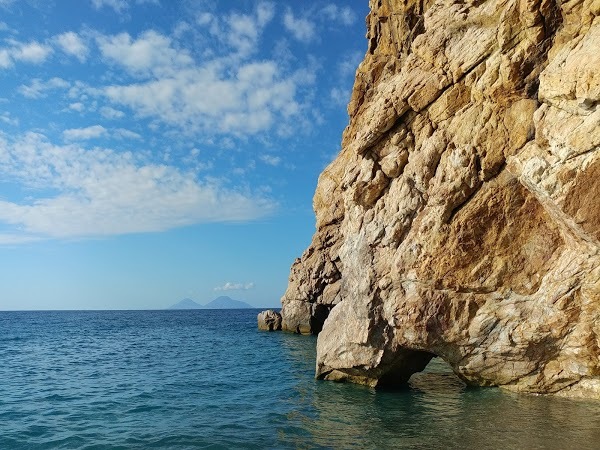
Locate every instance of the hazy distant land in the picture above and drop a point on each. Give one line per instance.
(222, 302)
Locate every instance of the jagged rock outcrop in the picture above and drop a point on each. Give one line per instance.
(269, 320)
(462, 217)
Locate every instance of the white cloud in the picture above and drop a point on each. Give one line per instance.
(5, 59)
(226, 90)
(118, 5)
(72, 44)
(212, 99)
(245, 30)
(243, 33)
(239, 32)
(265, 11)
(122, 133)
(270, 160)
(151, 53)
(8, 119)
(92, 132)
(205, 18)
(339, 96)
(77, 106)
(17, 239)
(121, 5)
(98, 131)
(347, 67)
(99, 192)
(302, 29)
(235, 287)
(39, 88)
(31, 52)
(343, 15)
(111, 113)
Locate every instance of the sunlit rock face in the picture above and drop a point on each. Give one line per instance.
(462, 217)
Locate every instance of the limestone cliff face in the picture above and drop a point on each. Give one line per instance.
(462, 217)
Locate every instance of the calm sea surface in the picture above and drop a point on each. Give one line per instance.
(209, 379)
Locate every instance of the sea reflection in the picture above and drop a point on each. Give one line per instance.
(436, 410)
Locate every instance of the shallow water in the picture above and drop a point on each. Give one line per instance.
(209, 379)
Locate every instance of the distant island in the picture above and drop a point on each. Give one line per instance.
(222, 302)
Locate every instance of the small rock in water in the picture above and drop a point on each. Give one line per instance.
(269, 320)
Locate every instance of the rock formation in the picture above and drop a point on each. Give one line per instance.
(462, 217)
(269, 320)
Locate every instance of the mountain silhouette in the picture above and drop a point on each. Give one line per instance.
(222, 302)
(187, 303)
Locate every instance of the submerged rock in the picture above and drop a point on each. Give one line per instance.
(269, 320)
(461, 218)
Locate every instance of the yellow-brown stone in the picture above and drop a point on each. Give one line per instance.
(462, 216)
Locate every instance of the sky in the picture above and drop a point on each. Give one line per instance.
(152, 150)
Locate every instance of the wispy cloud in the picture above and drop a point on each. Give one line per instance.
(341, 14)
(225, 92)
(77, 106)
(302, 29)
(8, 119)
(5, 59)
(32, 52)
(111, 113)
(118, 5)
(270, 160)
(39, 88)
(72, 44)
(151, 53)
(122, 133)
(78, 134)
(347, 67)
(17, 239)
(229, 286)
(99, 192)
(214, 98)
(240, 33)
(339, 96)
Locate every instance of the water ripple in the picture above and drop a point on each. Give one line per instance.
(209, 379)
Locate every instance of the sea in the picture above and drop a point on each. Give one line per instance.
(209, 379)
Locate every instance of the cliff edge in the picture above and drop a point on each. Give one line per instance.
(462, 217)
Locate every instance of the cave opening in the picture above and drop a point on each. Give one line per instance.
(421, 370)
(320, 312)
(405, 364)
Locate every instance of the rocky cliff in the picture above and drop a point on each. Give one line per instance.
(462, 217)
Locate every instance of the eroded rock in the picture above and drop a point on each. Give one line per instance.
(269, 320)
(461, 217)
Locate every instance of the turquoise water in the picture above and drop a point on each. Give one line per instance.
(209, 379)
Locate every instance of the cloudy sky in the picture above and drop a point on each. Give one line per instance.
(152, 150)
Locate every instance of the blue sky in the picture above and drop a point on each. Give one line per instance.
(152, 150)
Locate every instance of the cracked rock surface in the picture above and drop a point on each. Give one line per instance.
(462, 217)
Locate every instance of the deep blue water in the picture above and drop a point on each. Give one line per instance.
(210, 379)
